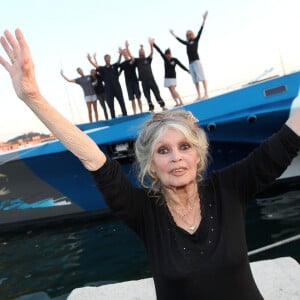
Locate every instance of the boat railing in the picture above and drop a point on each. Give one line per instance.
(273, 245)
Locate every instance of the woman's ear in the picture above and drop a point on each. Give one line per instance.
(152, 170)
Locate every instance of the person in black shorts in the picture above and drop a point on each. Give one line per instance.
(131, 80)
(195, 65)
(110, 75)
(97, 83)
(149, 84)
(170, 73)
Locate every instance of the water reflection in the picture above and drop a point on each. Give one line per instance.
(285, 207)
(275, 216)
(60, 260)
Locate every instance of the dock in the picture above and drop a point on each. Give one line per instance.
(277, 279)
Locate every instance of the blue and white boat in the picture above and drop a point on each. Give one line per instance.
(46, 184)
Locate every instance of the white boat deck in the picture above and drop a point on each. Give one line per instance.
(277, 279)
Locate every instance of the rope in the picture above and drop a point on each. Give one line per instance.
(282, 242)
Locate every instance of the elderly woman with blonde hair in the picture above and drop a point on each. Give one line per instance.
(192, 226)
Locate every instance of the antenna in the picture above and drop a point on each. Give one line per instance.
(68, 96)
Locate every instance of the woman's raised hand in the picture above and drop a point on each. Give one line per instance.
(21, 66)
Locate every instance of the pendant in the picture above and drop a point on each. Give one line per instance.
(192, 228)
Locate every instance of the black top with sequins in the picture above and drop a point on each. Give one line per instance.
(212, 263)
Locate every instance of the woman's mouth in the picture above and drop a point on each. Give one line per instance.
(178, 171)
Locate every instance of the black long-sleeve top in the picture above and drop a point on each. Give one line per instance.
(192, 46)
(170, 64)
(212, 263)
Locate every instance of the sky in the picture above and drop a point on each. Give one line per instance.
(241, 40)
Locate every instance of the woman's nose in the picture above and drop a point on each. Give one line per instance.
(175, 155)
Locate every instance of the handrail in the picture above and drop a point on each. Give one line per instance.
(282, 242)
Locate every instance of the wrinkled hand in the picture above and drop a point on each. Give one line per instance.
(21, 66)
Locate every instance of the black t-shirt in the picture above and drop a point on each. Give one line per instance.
(144, 67)
(212, 263)
(110, 75)
(129, 66)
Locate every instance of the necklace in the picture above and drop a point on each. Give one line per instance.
(183, 214)
(191, 227)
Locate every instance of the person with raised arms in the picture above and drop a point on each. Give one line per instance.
(110, 76)
(170, 72)
(90, 97)
(143, 64)
(192, 226)
(195, 64)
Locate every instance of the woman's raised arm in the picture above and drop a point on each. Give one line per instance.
(21, 70)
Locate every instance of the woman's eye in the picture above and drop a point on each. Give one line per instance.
(162, 150)
(185, 146)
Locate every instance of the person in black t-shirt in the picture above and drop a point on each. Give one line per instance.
(131, 80)
(195, 65)
(149, 84)
(170, 73)
(97, 83)
(110, 75)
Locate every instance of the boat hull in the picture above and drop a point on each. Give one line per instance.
(46, 184)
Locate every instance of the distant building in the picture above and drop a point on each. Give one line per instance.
(25, 140)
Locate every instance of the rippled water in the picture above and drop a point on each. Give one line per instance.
(57, 260)
(275, 216)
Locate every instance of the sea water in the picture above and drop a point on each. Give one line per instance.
(48, 264)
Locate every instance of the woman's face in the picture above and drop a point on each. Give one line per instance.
(174, 160)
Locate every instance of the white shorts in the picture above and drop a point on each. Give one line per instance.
(196, 71)
(170, 82)
(90, 98)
